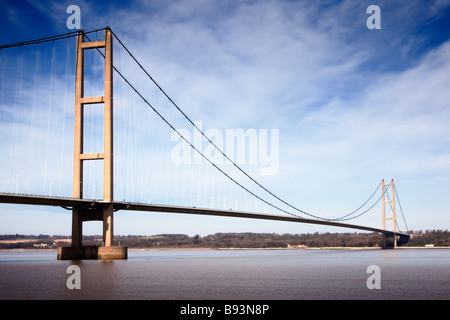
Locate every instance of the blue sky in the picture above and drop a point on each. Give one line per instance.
(352, 105)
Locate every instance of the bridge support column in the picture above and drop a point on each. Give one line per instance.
(108, 225)
(77, 251)
(77, 228)
(389, 241)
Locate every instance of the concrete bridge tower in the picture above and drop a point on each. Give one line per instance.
(104, 212)
(389, 242)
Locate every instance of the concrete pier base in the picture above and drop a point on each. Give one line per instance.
(92, 252)
(389, 242)
(112, 252)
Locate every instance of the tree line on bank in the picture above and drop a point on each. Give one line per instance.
(230, 240)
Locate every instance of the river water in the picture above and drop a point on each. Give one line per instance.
(231, 275)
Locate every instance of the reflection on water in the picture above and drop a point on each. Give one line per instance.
(231, 274)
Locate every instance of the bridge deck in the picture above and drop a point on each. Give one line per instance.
(69, 203)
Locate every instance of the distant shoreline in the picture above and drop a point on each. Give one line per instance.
(233, 240)
(204, 249)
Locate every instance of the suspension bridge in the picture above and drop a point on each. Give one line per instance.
(37, 80)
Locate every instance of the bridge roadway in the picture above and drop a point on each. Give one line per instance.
(70, 203)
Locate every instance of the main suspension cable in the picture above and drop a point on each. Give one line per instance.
(347, 216)
(47, 39)
(222, 153)
(75, 33)
(401, 210)
(192, 146)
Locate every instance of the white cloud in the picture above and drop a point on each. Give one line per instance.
(398, 128)
(346, 120)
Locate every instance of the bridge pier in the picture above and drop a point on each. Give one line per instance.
(389, 241)
(77, 228)
(108, 213)
(92, 252)
(77, 251)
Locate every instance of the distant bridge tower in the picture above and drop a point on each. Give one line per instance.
(105, 211)
(392, 202)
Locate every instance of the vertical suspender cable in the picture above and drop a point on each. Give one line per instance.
(31, 138)
(3, 59)
(49, 114)
(12, 166)
(4, 63)
(66, 78)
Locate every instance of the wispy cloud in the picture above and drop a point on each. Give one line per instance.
(352, 105)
